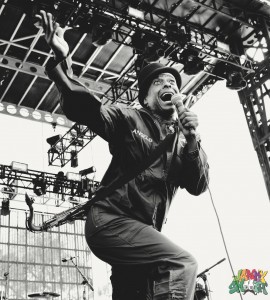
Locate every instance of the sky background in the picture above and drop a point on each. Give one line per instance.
(236, 184)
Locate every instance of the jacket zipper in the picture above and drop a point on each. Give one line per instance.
(154, 216)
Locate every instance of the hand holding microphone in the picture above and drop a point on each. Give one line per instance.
(188, 120)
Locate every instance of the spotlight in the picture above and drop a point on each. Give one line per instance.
(177, 32)
(191, 61)
(102, 30)
(74, 176)
(153, 52)
(17, 166)
(74, 158)
(54, 139)
(39, 186)
(136, 13)
(137, 42)
(87, 171)
(233, 75)
(235, 80)
(60, 177)
(148, 46)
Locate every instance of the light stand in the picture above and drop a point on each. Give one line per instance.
(204, 278)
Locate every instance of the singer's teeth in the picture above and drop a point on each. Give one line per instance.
(166, 97)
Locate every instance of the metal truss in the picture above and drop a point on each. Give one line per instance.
(211, 42)
(52, 182)
(255, 101)
(75, 139)
(124, 88)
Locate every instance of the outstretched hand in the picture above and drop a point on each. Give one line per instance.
(54, 35)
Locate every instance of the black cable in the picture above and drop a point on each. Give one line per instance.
(219, 224)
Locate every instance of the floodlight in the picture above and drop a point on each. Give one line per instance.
(74, 158)
(136, 13)
(235, 80)
(191, 61)
(177, 32)
(60, 177)
(102, 30)
(39, 186)
(232, 74)
(87, 171)
(74, 176)
(54, 139)
(17, 166)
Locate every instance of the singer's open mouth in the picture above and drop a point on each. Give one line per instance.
(167, 96)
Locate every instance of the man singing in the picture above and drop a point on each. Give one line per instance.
(123, 228)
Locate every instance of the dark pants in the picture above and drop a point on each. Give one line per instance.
(145, 264)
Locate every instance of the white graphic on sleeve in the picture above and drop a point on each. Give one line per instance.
(144, 136)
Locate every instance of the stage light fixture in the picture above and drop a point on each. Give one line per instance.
(137, 42)
(191, 61)
(102, 30)
(177, 32)
(136, 13)
(235, 80)
(74, 158)
(87, 171)
(17, 166)
(153, 52)
(60, 177)
(148, 46)
(54, 139)
(233, 75)
(74, 176)
(39, 186)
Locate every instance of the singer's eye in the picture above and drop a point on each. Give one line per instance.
(157, 82)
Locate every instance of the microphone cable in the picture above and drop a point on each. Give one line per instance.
(218, 220)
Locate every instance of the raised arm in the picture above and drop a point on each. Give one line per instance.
(77, 102)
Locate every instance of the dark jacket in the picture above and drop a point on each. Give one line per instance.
(132, 135)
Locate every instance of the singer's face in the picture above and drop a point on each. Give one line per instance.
(160, 93)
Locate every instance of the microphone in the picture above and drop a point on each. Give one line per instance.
(178, 103)
(68, 258)
(6, 274)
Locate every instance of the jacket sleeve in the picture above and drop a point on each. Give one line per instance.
(77, 102)
(196, 169)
